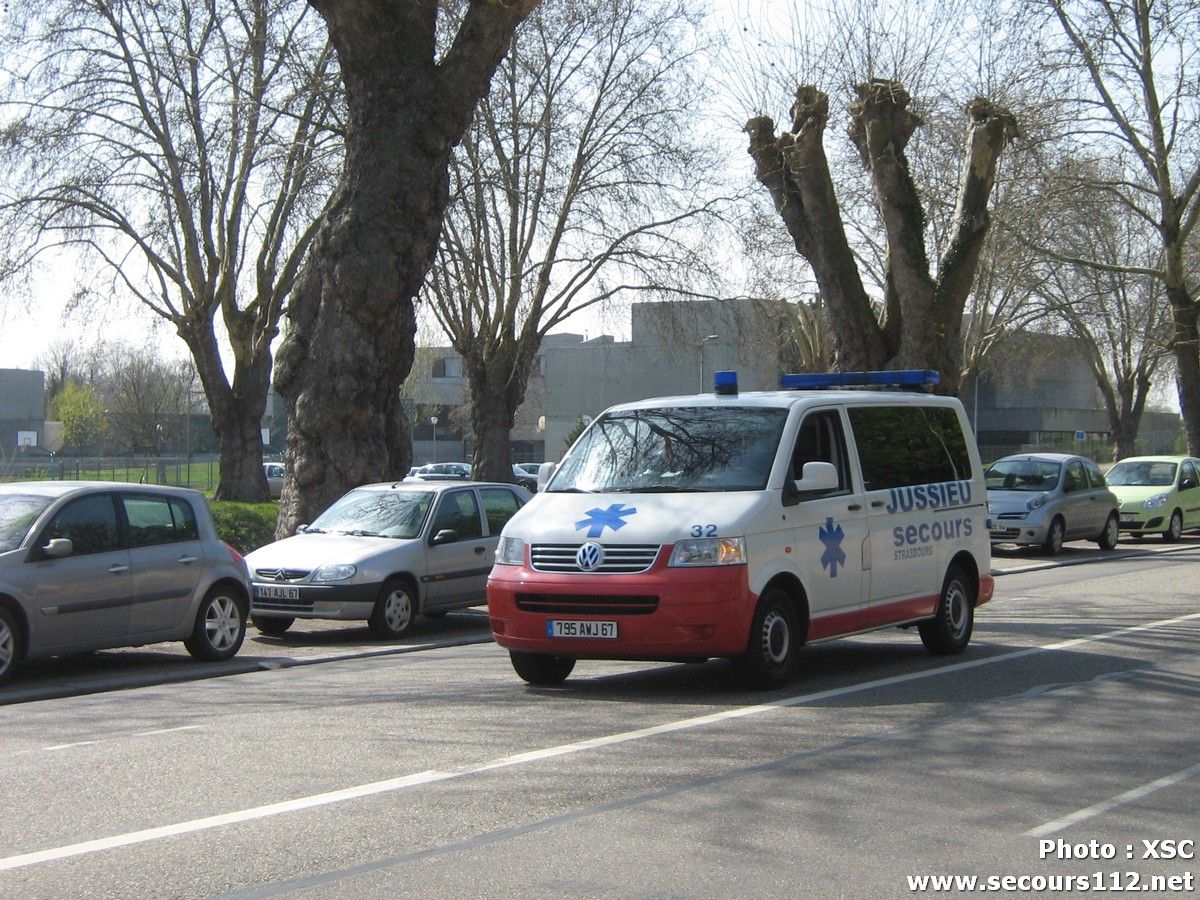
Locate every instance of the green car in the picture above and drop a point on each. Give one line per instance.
(1158, 494)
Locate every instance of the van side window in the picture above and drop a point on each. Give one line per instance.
(821, 439)
(905, 445)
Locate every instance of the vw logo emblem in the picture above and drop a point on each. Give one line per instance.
(589, 556)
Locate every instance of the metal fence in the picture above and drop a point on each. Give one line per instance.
(201, 473)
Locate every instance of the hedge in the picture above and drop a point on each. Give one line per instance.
(247, 526)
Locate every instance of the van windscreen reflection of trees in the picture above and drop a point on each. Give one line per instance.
(659, 450)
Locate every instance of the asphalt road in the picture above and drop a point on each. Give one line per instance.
(435, 772)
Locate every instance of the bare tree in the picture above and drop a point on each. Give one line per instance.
(144, 397)
(1139, 101)
(1113, 306)
(413, 72)
(579, 180)
(186, 147)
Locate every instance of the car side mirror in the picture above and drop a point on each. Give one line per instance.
(58, 548)
(300, 529)
(545, 471)
(1187, 484)
(818, 476)
(445, 536)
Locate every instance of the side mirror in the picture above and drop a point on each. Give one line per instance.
(1187, 484)
(545, 471)
(445, 536)
(300, 529)
(818, 476)
(58, 548)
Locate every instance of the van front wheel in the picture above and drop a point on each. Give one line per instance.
(772, 650)
(949, 631)
(541, 668)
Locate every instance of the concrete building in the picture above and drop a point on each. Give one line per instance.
(1037, 391)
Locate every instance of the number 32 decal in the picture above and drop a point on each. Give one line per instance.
(704, 531)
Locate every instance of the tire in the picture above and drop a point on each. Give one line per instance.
(220, 625)
(1112, 531)
(395, 610)
(1052, 546)
(1174, 528)
(772, 649)
(949, 631)
(541, 668)
(272, 626)
(10, 644)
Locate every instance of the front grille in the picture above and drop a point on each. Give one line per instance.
(1017, 515)
(619, 559)
(281, 574)
(587, 604)
(262, 604)
(1005, 533)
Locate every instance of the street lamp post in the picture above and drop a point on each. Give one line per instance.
(433, 419)
(704, 340)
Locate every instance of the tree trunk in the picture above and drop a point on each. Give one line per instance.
(497, 390)
(349, 342)
(1186, 344)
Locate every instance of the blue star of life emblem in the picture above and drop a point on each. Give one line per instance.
(599, 519)
(834, 556)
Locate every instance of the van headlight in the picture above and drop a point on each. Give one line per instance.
(334, 573)
(510, 552)
(727, 551)
(1155, 502)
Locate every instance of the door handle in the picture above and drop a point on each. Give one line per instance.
(877, 504)
(187, 560)
(854, 507)
(480, 550)
(118, 569)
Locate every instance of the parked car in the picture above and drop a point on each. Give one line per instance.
(524, 479)
(274, 473)
(1044, 499)
(385, 553)
(447, 471)
(93, 565)
(1158, 494)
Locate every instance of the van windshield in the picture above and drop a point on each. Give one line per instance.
(716, 448)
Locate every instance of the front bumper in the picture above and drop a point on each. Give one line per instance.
(1030, 529)
(317, 601)
(662, 614)
(1136, 518)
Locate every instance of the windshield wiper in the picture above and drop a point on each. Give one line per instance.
(656, 489)
(570, 490)
(362, 532)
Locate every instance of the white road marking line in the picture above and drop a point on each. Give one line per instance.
(1104, 806)
(69, 746)
(167, 730)
(419, 778)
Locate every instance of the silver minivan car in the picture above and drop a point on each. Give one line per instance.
(92, 565)
(385, 553)
(1043, 499)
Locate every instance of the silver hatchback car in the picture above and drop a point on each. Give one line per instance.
(1044, 499)
(385, 553)
(91, 565)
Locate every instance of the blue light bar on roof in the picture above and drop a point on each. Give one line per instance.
(899, 378)
(725, 383)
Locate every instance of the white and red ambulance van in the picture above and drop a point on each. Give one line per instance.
(747, 525)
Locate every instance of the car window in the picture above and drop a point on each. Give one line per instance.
(90, 523)
(18, 512)
(822, 439)
(1023, 474)
(905, 445)
(1076, 479)
(1142, 473)
(1190, 474)
(458, 510)
(499, 506)
(393, 514)
(158, 520)
(1095, 476)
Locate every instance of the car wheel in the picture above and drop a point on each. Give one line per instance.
(1174, 528)
(10, 644)
(273, 626)
(394, 611)
(220, 626)
(773, 648)
(1054, 537)
(541, 668)
(1112, 531)
(949, 631)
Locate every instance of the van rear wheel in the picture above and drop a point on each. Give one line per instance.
(949, 631)
(541, 668)
(773, 647)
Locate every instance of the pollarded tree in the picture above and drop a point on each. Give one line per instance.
(185, 147)
(921, 325)
(413, 72)
(578, 181)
